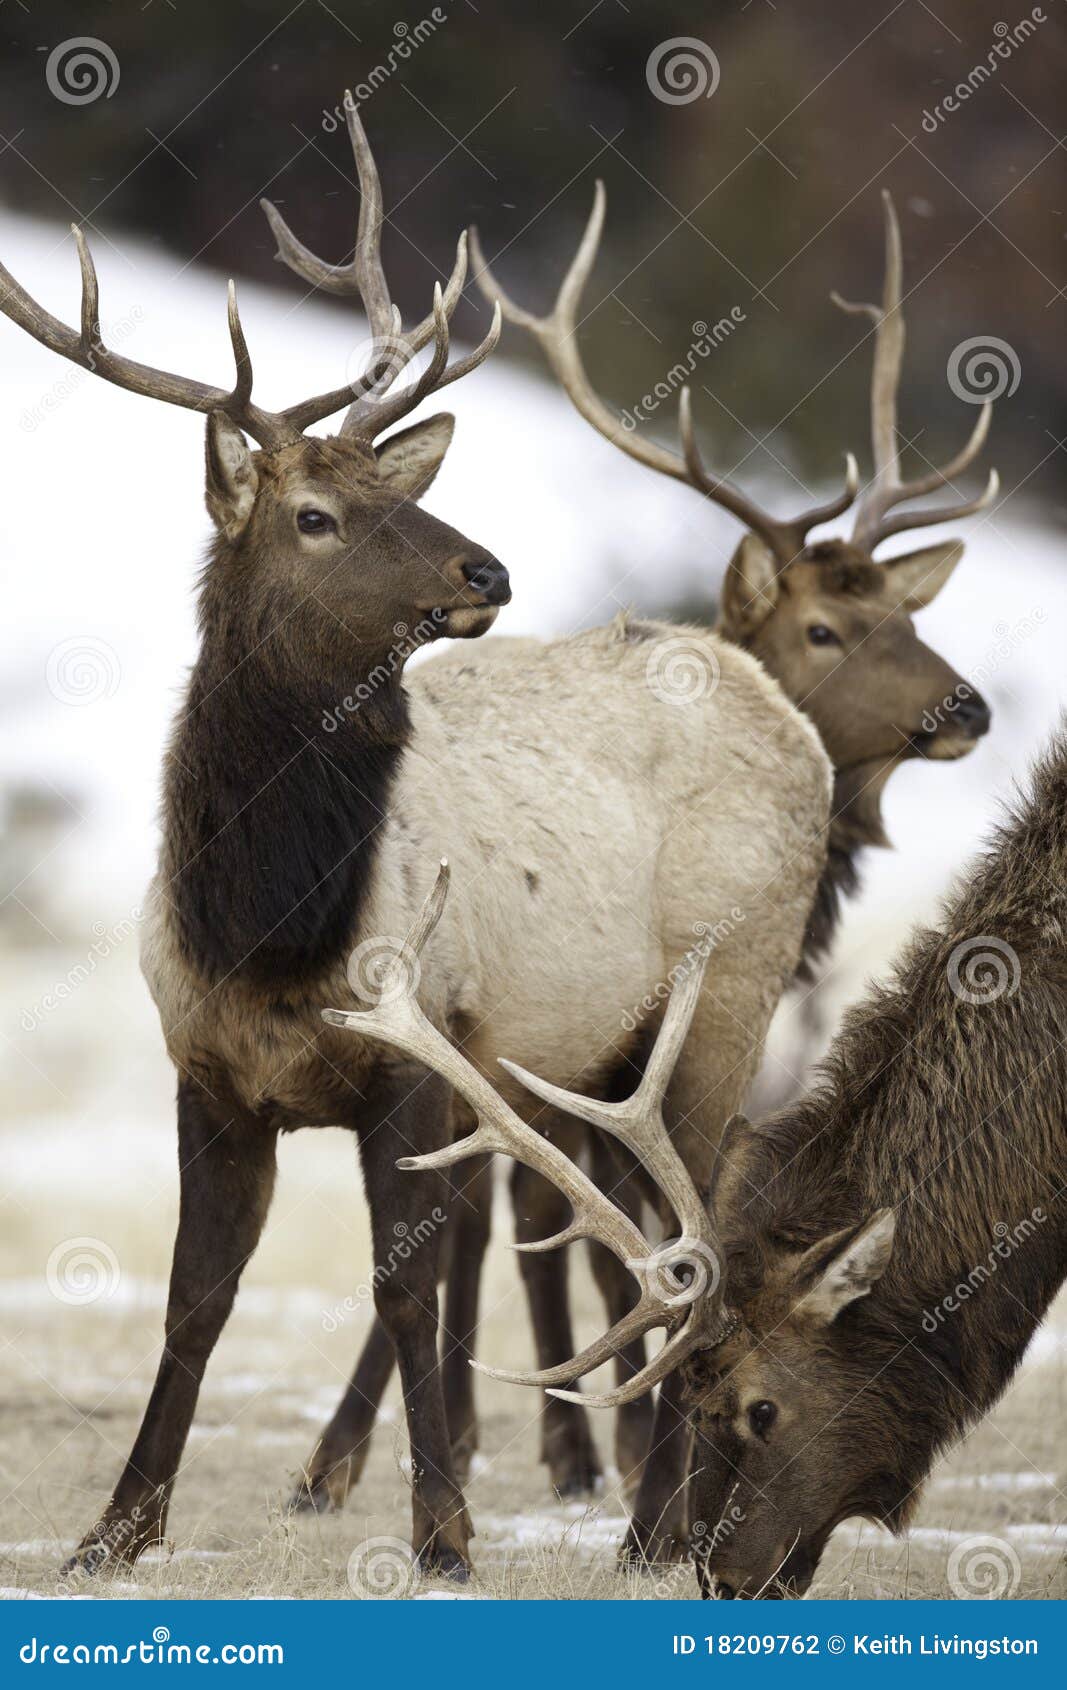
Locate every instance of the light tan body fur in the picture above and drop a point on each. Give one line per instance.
(592, 827)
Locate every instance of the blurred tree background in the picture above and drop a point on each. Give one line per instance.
(760, 195)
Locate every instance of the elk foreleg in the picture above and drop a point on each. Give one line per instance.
(227, 1165)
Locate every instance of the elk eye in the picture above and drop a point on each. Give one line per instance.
(761, 1417)
(315, 522)
(820, 634)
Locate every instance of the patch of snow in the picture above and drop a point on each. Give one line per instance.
(997, 1481)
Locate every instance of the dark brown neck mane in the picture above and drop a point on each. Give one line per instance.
(272, 817)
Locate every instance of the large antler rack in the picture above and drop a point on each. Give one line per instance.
(681, 1281)
(367, 412)
(887, 489)
(557, 335)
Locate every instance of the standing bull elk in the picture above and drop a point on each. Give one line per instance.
(574, 794)
(876, 1257)
(834, 626)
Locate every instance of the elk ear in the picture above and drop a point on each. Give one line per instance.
(231, 476)
(408, 461)
(916, 578)
(729, 1186)
(750, 590)
(845, 1266)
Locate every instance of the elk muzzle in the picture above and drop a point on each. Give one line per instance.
(489, 579)
(480, 585)
(954, 727)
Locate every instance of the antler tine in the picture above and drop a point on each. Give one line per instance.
(557, 334)
(368, 417)
(558, 337)
(695, 1319)
(887, 489)
(942, 513)
(91, 336)
(363, 274)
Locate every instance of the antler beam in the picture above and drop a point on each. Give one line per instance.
(887, 489)
(557, 335)
(681, 1284)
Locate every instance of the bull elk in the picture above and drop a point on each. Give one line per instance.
(305, 789)
(871, 1262)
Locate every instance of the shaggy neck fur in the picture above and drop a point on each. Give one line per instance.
(951, 1112)
(855, 822)
(271, 820)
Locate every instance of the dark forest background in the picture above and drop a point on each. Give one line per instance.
(763, 196)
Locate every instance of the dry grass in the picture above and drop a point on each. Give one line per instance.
(88, 1151)
(73, 1382)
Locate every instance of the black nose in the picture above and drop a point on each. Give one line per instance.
(489, 578)
(974, 715)
(726, 1592)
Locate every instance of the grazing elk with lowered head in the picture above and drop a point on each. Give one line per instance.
(295, 836)
(834, 626)
(871, 1262)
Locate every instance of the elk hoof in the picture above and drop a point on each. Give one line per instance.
(643, 1550)
(312, 1498)
(579, 1483)
(574, 1469)
(443, 1562)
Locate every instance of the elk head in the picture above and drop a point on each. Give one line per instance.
(831, 623)
(329, 523)
(794, 1430)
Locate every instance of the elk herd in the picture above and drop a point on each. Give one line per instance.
(594, 835)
